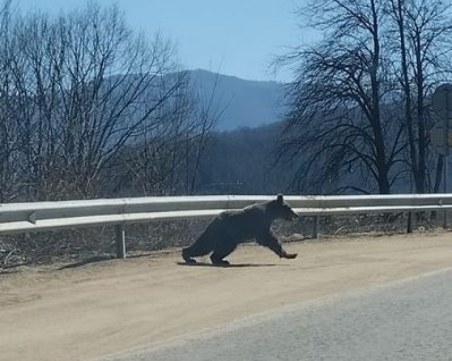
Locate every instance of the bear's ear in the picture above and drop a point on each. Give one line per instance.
(279, 198)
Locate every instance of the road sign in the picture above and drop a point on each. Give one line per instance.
(441, 135)
(440, 139)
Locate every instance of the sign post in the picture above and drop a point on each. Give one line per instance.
(441, 134)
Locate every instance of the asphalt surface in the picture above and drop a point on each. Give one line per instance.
(405, 320)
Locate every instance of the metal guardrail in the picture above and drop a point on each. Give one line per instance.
(42, 216)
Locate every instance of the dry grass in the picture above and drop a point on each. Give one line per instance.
(91, 243)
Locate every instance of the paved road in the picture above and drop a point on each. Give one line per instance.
(405, 320)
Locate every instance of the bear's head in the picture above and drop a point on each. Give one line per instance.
(282, 210)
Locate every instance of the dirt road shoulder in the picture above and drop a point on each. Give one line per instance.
(107, 307)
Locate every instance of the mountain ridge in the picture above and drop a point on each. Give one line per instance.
(242, 102)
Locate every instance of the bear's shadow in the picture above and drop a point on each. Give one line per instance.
(232, 265)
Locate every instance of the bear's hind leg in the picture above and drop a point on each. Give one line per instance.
(200, 248)
(222, 250)
(187, 256)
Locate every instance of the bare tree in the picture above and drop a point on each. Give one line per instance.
(166, 159)
(421, 48)
(10, 136)
(337, 126)
(152, 160)
(376, 57)
(87, 85)
(205, 115)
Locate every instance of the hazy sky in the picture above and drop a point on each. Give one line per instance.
(235, 37)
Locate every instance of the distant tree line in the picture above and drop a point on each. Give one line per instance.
(243, 162)
(360, 104)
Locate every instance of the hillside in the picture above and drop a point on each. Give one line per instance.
(245, 103)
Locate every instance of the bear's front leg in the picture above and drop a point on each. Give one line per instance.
(269, 240)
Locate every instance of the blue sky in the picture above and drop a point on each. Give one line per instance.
(234, 37)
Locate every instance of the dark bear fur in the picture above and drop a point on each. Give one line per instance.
(231, 228)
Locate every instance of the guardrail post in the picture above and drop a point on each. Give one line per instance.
(120, 241)
(315, 231)
(409, 227)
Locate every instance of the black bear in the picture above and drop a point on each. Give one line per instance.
(230, 228)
